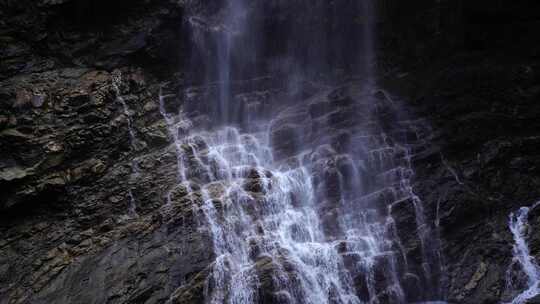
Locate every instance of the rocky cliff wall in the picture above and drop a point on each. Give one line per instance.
(69, 231)
(472, 69)
(73, 225)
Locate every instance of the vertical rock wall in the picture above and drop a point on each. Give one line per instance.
(470, 68)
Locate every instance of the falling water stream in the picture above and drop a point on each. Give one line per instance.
(298, 198)
(132, 207)
(519, 226)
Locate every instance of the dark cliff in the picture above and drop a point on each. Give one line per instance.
(470, 69)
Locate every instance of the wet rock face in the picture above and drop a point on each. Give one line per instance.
(67, 168)
(64, 127)
(486, 133)
(79, 224)
(482, 109)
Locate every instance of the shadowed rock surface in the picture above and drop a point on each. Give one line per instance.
(79, 224)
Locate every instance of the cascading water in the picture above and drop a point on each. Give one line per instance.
(308, 227)
(519, 226)
(260, 214)
(298, 197)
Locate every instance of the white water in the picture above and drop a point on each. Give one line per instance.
(267, 218)
(520, 229)
(278, 222)
(317, 226)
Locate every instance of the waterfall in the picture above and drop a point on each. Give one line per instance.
(298, 192)
(519, 226)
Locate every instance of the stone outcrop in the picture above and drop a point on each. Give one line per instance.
(80, 224)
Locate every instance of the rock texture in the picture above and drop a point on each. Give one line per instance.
(80, 224)
(472, 69)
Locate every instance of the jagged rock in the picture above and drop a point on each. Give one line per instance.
(9, 174)
(534, 300)
(285, 140)
(157, 134)
(67, 168)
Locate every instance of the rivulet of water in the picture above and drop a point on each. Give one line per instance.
(117, 78)
(519, 226)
